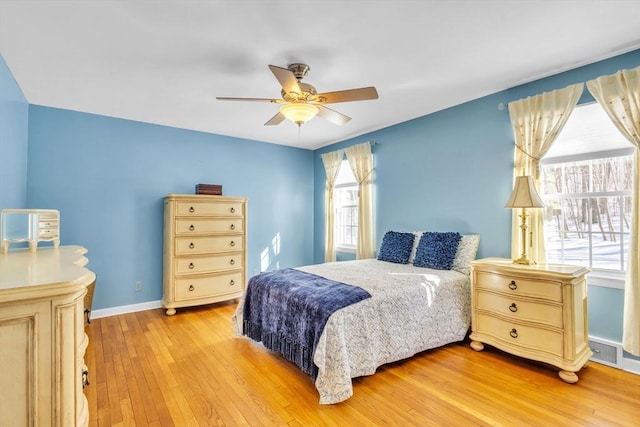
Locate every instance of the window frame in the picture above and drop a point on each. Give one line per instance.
(341, 246)
(598, 276)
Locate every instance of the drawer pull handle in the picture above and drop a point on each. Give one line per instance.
(191, 288)
(85, 378)
(191, 266)
(232, 282)
(513, 307)
(232, 262)
(513, 333)
(191, 245)
(513, 285)
(233, 210)
(191, 209)
(191, 227)
(233, 226)
(233, 243)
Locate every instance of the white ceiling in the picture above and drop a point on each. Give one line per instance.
(164, 62)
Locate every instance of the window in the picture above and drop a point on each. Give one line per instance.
(586, 186)
(345, 201)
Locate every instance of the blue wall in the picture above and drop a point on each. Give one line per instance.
(108, 176)
(14, 117)
(452, 171)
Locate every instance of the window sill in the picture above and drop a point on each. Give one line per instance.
(346, 249)
(606, 279)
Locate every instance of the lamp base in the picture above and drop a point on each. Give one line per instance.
(524, 261)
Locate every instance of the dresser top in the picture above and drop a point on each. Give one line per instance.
(204, 197)
(507, 264)
(21, 269)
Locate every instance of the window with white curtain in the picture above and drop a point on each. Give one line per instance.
(345, 199)
(586, 179)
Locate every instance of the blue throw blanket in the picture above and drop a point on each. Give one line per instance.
(287, 310)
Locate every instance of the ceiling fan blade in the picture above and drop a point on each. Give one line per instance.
(275, 120)
(226, 98)
(361, 94)
(286, 78)
(332, 115)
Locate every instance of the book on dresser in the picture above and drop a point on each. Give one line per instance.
(204, 255)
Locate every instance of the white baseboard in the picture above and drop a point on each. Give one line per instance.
(631, 365)
(124, 309)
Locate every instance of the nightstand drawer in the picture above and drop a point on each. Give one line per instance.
(516, 285)
(208, 286)
(517, 308)
(525, 336)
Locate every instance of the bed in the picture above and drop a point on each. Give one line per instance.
(410, 309)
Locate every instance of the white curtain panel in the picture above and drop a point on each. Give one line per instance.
(619, 95)
(331, 163)
(536, 122)
(361, 162)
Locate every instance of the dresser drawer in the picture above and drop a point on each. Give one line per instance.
(187, 208)
(50, 223)
(192, 265)
(516, 308)
(515, 285)
(205, 286)
(525, 336)
(195, 226)
(212, 244)
(47, 233)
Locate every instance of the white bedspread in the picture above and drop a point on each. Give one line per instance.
(411, 309)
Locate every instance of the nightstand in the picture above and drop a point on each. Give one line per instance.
(534, 311)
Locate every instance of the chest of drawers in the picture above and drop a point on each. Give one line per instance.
(204, 249)
(538, 312)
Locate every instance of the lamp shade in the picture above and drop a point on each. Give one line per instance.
(299, 113)
(524, 194)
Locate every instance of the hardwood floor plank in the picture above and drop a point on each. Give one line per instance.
(191, 370)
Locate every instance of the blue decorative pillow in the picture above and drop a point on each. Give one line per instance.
(437, 250)
(396, 247)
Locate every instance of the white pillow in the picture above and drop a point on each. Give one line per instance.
(467, 251)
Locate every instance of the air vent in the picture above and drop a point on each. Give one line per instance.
(606, 352)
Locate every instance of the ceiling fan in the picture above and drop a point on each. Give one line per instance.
(301, 102)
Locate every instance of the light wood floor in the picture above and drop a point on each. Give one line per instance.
(148, 369)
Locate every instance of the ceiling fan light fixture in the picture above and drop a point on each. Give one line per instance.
(299, 113)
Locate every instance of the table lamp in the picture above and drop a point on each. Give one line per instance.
(524, 196)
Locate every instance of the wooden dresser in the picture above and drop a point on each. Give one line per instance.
(204, 249)
(537, 311)
(42, 338)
